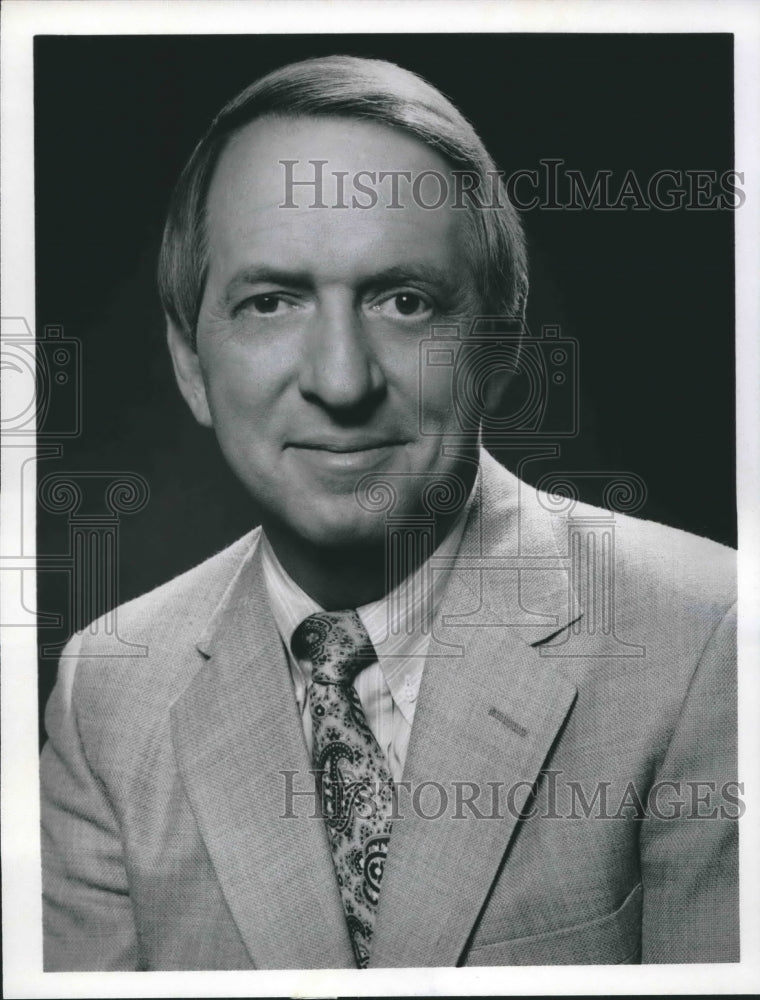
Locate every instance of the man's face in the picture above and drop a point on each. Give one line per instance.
(308, 340)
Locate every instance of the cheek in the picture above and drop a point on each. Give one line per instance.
(242, 380)
(411, 382)
(245, 422)
(235, 390)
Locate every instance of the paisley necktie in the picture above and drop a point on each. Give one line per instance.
(355, 780)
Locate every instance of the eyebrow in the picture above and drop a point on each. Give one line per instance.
(397, 274)
(262, 273)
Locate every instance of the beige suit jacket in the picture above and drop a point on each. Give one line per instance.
(574, 653)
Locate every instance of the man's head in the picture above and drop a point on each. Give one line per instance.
(296, 331)
(364, 90)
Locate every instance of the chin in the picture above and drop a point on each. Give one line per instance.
(341, 533)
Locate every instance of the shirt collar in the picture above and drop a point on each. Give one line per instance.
(398, 623)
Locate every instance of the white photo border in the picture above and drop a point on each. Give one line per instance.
(21, 21)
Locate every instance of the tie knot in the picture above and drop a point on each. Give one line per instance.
(336, 644)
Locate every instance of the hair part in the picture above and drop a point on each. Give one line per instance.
(363, 89)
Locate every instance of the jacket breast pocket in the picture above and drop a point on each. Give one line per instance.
(614, 939)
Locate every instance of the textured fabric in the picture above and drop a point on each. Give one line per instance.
(170, 842)
(399, 627)
(355, 783)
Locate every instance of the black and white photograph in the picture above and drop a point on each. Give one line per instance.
(378, 510)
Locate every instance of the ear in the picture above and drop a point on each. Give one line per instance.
(187, 371)
(496, 388)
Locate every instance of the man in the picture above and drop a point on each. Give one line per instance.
(521, 713)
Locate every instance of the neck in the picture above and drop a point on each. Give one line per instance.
(348, 577)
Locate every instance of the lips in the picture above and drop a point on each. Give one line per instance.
(345, 447)
(337, 463)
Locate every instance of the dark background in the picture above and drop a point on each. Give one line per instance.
(648, 295)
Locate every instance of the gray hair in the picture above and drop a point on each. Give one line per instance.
(365, 89)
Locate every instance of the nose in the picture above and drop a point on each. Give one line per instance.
(339, 370)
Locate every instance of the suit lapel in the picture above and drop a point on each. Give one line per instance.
(236, 730)
(486, 719)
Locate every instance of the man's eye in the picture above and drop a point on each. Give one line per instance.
(408, 304)
(264, 304)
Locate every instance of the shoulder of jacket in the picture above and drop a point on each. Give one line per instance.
(145, 649)
(191, 594)
(667, 559)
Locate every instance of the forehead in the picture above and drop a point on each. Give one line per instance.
(363, 203)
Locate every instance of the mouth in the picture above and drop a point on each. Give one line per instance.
(344, 448)
(353, 455)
